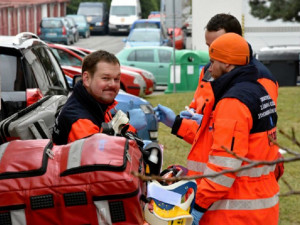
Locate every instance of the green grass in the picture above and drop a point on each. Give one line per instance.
(288, 108)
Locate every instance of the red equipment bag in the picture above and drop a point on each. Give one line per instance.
(86, 182)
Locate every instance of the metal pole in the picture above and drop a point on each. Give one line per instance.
(173, 37)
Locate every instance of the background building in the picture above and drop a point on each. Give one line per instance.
(25, 15)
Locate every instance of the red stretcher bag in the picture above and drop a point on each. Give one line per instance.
(86, 182)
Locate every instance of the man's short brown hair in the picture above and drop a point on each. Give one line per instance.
(90, 61)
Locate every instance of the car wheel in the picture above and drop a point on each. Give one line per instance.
(67, 41)
(87, 34)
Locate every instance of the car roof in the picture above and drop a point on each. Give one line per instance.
(146, 30)
(149, 47)
(20, 41)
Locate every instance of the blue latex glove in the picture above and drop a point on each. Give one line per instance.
(137, 119)
(196, 216)
(197, 117)
(186, 114)
(165, 115)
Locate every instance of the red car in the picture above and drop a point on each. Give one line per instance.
(180, 37)
(131, 82)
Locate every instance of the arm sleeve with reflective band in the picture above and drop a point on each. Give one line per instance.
(196, 94)
(82, 128)
(232, 125)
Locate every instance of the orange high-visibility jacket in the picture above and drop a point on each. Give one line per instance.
(241, 119)
(188, 128)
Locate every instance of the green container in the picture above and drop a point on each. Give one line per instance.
(188, 64)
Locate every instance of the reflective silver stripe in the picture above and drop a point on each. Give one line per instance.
(220, 179)
(248, 204)
(196, 166)
(256, 171)
(2, 149)
(232, 163)
(18, 217)
(74, 157)
(103, 213)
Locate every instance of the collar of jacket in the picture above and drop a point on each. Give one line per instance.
(89, 102)
(220, 86)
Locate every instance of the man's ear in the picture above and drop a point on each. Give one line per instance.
(228, 67)
(85, 78)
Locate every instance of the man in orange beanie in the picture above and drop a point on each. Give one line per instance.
(242, 117)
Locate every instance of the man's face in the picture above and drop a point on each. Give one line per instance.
(210, 36)
(217, 68)
(105, 84)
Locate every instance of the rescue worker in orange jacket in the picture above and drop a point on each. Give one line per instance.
(92, 99)
(203, 99)
(243, 116)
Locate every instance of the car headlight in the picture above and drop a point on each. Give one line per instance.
(99, 24)
(138, 80)
(147, 109)
(148, 75)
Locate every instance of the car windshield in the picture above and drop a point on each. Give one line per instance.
(150, 36)
(90, 11)
(122, 10)
(146, 25)
(51, 24)
(79, 19)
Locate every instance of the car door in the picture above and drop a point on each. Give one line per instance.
(142, 58)
(162, 62)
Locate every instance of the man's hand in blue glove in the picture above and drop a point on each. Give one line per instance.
(196, 216)
(197, 117)
(165, 115)
(187, 114)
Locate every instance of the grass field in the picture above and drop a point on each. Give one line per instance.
(288, 108)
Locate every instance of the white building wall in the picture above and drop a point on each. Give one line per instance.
(203, 10)
(44, 11)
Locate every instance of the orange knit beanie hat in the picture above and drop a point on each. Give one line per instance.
(230, 48)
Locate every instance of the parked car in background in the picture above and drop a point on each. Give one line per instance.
(145, 23)
(146, 37)
(96, 14)
(122, 14)
(155, 59)
(74, 28)
(154, 14)
(180, 37)
(83, 25)
(56, 29)
(29, 71)
(65, 56)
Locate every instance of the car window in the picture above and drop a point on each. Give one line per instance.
(66, 58)
(51, 24)
(164, 56)
(146, 25)
(142, 55)
(137, 35)
(33, 60)
(122, 10)
(12, 76)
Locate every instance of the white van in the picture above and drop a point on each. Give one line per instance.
(122, 14)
